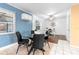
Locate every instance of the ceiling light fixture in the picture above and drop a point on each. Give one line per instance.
(51, 17)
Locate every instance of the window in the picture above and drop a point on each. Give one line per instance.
(7, 21)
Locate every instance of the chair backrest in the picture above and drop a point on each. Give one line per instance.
(19, 37)
(46, 33)
(38, 41)
(32, 32)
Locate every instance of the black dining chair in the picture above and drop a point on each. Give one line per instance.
(46, 38)
(21, 41)
(38, 43)
(32, 32)
(31, 38)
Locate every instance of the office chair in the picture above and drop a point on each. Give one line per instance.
(21, 41)
(38, 43)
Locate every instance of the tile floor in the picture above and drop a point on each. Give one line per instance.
(62, 48)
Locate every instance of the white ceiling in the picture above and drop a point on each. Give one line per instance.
(43, 9)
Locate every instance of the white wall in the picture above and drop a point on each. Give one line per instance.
(68, 25)
(41, 23)
(61, 24)
(33, 22)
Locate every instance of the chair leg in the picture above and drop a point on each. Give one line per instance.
(30, 44)
(48, 44)
(43, 51)
(34, 51)
(45, 42)
(30, 50)
(27, 47)
(18, 49)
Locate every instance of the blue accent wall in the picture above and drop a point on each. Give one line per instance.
(24, 27)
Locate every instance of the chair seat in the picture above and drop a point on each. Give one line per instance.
(38, 43)
(23, 41)
(46, 37)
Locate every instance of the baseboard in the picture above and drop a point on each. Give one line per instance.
(8, 46)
